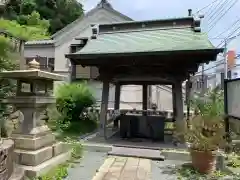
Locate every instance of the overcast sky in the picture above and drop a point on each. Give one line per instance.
(158, 9)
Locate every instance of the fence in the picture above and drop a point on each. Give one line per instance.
(232, 106)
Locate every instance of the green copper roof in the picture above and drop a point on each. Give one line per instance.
(146, 40)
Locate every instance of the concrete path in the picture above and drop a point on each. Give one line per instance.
(124, 168)
(88, 166)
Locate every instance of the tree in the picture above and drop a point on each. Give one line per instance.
(58, 12)
(37, 29)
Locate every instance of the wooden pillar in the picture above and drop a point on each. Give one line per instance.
(178, 105)
(73, 71)
(149, 97)
(174, 101)
(188, 92)
(144, 98)
(104, 108)
(117, 102)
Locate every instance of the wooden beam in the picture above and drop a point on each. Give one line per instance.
(144, 82)
(171, 58)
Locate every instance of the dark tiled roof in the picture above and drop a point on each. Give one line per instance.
(147, 36)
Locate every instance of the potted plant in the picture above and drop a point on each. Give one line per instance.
(206, 133)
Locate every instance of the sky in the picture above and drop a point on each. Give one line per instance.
(159, 9)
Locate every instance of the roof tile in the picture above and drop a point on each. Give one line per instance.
(40, 42)
(152, 40)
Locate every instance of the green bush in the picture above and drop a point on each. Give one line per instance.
(74, 129)
(72, 99)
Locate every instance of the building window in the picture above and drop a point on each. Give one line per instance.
(46, 64)
(199, 84)
(51, 62)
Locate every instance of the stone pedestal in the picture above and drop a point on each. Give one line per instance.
(36, 150)
(37, 154)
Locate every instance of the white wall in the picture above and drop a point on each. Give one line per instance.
(96, 87)
(83, 29)
(162, 97)
(131, 97)
(43, 51)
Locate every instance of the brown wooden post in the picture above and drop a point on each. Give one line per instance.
(149, 97)
(104, 107)
(174, 101)
(117, 101)
(179, 114)
(144, 98)
(73, 71)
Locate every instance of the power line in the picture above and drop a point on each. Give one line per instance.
(237, 57)
(217, 8)
(230, 36)
(206, 6)
(210, 10)
(231, 6)
(210, 68)
(227, 29)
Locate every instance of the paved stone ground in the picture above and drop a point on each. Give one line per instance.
(128, 168)
(123, 168)
(165, 169)
(87, 167)
(97, 166)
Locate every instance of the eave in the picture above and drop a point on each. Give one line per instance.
(88, 58)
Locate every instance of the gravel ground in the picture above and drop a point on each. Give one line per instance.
(87, 167)
(165, 169)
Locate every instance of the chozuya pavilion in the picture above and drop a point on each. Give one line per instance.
(145, 53)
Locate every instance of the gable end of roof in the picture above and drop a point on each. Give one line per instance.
(89, 14)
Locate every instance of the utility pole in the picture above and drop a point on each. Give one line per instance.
(225, 60)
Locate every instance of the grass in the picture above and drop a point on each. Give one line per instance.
(169, 125)
(71, 136)
(75, 129)
(187, 172)
(233, 161)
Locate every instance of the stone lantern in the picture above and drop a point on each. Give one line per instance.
(35, 148)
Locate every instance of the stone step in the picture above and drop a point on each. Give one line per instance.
(138, 153)
(35, 171)
(33, 143)
(94, 147)
(138, 146)
(36, 157)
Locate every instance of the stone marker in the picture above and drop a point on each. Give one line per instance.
(35, 148)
